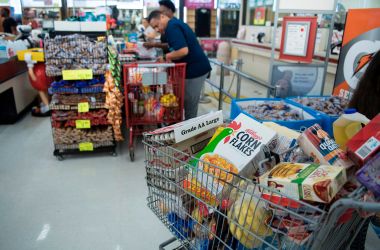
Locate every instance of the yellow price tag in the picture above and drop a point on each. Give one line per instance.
(86, 146)
(83, 124)
(77, 74)
(83, 107)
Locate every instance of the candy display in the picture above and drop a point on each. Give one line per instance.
(74, 52)
(333, 105)
(70, 102)
(94, 85)
(68, 118)
(316, 143)
(273, 111)
(74, 136)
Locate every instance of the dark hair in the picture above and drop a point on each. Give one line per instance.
(366, 98)
(155, 14)
(5, 12)
(168, 4)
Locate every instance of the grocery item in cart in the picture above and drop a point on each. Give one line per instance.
(316, 143)
(366, 143)
(181, 151)
(285, 144)
(347, 125)
(247, 216)
(187, 129)
(369, 175)
(312, 182)
(231, 150)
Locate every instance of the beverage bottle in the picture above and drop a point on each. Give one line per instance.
(347, 125)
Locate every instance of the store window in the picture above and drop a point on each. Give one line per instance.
(257, 12)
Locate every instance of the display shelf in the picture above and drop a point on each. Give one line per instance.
(60, 153)
(79, 125)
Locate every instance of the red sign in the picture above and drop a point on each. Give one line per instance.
(361, 39)
(196, 4)
(298, 38)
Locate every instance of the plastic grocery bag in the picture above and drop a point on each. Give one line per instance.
(247, 216)
(146, 53)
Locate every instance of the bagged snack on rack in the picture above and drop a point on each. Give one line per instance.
(247, 216)
(312, 182)
(230, 152)
(316, 143)
(369, 175)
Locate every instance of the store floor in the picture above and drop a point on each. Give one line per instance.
(95, 202)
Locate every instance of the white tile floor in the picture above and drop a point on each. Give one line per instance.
(95, 202)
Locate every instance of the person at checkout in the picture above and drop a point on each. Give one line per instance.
(148, 32)
(167, 8)
(184, 47)
(9, 24)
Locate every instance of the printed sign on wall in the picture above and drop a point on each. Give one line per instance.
(196, 4)
(361, 40)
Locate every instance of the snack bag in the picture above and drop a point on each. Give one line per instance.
(232, 150)
(311, 182)
(316, 143)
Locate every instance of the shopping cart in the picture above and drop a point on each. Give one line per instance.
(244, 215)
(154, 95)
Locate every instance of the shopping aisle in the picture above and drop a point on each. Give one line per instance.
(92, 203)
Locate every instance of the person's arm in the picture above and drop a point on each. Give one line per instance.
(177, 54)
(156, 45)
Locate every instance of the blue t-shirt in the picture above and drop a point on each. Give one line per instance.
(179, 35)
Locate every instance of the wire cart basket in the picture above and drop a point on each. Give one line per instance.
(245, 214)
(154, 95)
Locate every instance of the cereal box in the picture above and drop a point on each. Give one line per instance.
(312, 182)
(232, 150)
(316, 143)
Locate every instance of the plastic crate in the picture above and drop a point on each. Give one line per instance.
(310, 118)
(327, 120)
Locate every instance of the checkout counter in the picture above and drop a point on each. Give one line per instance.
(16, 93)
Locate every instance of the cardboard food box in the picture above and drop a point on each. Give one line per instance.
(369, 175)
(179, 153)
(187, 129)
(231, 150)
(312, 182)
(316, 143)
(366, 143)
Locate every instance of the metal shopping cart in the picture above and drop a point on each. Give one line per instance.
(154, 95)
(244, 215)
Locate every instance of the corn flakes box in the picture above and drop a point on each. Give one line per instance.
(230, 153)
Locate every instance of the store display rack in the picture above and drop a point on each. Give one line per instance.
(79, 121)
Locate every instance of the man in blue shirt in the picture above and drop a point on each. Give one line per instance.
(184, 47)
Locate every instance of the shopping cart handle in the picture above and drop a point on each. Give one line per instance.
(358, 205)
(156, 65)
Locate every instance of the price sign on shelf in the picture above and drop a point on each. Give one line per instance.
(83, 124)
(77, 74)
(86, 146)
(83, 107)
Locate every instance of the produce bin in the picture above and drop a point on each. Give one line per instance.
(308, 119)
